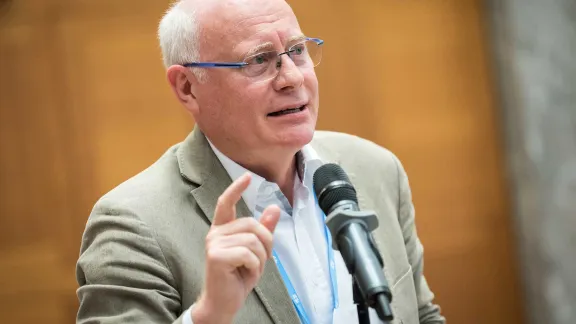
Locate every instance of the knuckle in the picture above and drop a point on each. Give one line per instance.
(255, 261)
(253, 239)
(211, 236)
(211, 255)
(246, 254)
(254, 242)
(213, 239)
(267, 237)
(221, 201)
(252, 222)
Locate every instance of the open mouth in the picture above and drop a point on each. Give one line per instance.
(287, 111)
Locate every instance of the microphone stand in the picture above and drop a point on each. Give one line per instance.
(361, 306)
(351, 230)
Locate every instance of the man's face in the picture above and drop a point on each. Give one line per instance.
(236, 108)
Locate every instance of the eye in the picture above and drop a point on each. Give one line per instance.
(298, 49)
(261, 58)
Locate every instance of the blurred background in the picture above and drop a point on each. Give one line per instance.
(477, 98)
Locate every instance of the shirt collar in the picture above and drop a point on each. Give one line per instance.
(307, 160)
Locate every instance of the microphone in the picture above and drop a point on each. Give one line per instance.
(350, 229)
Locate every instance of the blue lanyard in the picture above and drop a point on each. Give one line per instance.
(292, 292)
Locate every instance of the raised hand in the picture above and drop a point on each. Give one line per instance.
(236, 251)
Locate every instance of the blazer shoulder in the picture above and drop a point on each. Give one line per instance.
(371, 167)
(156, 185)
(345, 147)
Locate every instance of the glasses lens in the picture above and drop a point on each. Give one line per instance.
(264, 66)
(260, 63)
(307, 53)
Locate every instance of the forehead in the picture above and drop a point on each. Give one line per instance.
(237, 25)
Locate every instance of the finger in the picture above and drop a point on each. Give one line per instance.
(246, 225)
(234, 257)
(270, 217)
(249, 240)
(225, 211)
(269, 220)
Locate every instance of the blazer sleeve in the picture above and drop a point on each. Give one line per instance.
(429, 313)
(122, 274)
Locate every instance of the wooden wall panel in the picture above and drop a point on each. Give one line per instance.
(447, 135)
(35, 194)
(78, 115)
(116, 78)
(85, 105)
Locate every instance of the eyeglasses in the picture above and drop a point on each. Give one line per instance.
(266, 65)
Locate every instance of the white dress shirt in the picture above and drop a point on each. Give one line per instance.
(300, 242)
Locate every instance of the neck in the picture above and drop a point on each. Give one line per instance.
(280, 171)
(276, 165)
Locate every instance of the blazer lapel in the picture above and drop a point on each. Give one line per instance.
(199, 164)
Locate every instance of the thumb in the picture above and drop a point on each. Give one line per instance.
(270, 217)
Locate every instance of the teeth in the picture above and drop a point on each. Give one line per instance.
(287, 111)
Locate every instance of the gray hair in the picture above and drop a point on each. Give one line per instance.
(179, 36)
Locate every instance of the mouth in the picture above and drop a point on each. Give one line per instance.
(287, 111)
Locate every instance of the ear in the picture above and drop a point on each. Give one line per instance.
(183, 82)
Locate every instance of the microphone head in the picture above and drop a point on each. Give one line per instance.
(332, 186)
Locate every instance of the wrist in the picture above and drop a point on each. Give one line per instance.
(203, 313)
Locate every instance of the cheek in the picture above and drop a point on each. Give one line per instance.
(253, 96)
(240, 104)
(234, 94)
(310, 80)
(311, 84)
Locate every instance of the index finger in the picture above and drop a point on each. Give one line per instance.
(225, 211)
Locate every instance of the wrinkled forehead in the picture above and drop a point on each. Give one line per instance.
(234, 27)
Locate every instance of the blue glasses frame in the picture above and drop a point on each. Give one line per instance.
(241, 64)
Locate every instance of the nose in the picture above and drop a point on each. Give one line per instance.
(289, 75)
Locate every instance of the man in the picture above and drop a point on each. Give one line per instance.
(190, 239)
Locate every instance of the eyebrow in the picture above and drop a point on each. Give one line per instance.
(296, 38)
(258, 48)
(269, 45)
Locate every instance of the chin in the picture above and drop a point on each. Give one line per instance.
(296, 137)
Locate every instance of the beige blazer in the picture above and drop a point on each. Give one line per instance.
(142, 253)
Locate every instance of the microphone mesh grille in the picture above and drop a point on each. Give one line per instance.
(327, 174)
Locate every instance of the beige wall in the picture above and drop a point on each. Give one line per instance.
(84, 105)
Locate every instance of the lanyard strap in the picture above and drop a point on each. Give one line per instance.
(292, 292)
